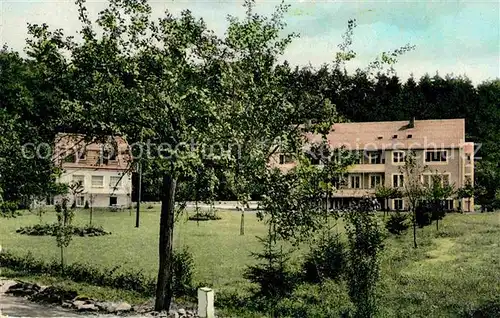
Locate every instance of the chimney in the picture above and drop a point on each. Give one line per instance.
(411, 124)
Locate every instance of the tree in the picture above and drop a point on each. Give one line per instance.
(365, 241)
(412, 189)
(438, 191)
(178, 84)
(64, 230)
(75, 188)
(383, 193)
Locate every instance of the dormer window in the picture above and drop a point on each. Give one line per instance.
(394, 136)
(410, 136)
(379, 137)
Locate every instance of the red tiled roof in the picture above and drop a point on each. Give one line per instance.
(448, 133)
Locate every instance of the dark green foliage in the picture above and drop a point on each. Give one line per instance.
(365, 241)
(51, 230)
(204, 216)
(272, 275)
(423, 215)
(86, 205)
(490, 309)
(182, 268)
(326, 260)
(397, 223)
(8, 209)
(110, 277)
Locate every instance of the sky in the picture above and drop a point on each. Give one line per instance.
(450, 37)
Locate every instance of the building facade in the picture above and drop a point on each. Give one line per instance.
(102, 168)
(439, 145)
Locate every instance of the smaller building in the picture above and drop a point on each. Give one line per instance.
(101, 168)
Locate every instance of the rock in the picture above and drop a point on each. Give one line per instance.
(123, 307)
(83, 298)
(181, 312)
(66, 304)
(23, 289)
(53, 295)
(86, 307)
(78, 303)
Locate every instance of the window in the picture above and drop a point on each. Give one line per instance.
(409, 136)
(394, 136)
(69, 157)
(398, 157)
(79, 178)
(468, 179)
(375, 180)
(397, 180)
(113, 201)
(429, 179)
(398, 204)
(285, 158)
(436, 156)
(97, 181)
(355, 182)
(82, 154)
(374, 157)
(114, 182)
(448, 205)
(80, 200)
(445, 179)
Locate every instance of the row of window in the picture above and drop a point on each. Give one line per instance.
(397, 180)
(105, 156)
(399, 204)
(98, 181)
(376, 157)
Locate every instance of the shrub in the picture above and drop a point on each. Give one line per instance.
(8, 209)
(397, 223)
(423, 214)
(182, 268)
(114, 278)
(204, 216)
(272, 275)
(86, 207)
(51, 230)
(326, 260)
(488, 309)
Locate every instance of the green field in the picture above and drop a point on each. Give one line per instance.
(452, 270)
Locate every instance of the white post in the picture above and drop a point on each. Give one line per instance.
(206, 303)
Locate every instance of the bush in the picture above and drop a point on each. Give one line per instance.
(423, 215)
(326, 260)
(8, 209)
(204, 216)
(489, 309)
(51, 230)
(182, 268)
(397, 223)
(86, 207)
(272, 275)
(85, 273)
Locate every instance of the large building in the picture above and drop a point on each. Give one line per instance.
(102, 168)
(439, 144)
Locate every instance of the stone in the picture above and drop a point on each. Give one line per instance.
(181, 312)
(87, 307)
(66, 304)
(78, 303)
(123, 307)
(23, 289)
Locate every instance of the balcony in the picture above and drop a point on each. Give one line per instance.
(367, 168)
(348, 192)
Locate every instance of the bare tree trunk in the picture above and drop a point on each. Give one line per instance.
(164, 283)
(437, 224)
(62, 259)
(242, 222)
(415, 228)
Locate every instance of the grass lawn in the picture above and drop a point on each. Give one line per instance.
(452, 270)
